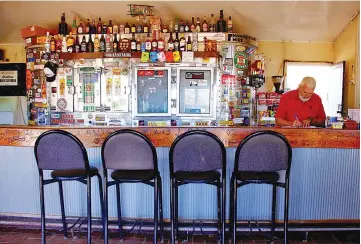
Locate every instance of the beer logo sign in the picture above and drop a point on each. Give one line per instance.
(62, 104)
(241, 60)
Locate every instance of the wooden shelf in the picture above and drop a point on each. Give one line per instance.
(70, 56)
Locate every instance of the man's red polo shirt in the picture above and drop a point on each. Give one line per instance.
(291, 107)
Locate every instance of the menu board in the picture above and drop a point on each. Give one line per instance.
(195, 91)
(152, 92)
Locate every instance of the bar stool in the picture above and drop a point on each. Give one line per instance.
(258, 160)
(133, 159)
(65, 155)
(195, 157)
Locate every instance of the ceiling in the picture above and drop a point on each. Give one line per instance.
(272, 20)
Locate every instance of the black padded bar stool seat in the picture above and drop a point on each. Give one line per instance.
(73, 173)
(133, 175)
(197, 177)
(257, 177)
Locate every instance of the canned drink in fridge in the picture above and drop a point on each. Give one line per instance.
(41, 116)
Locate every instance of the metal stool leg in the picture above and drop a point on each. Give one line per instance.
(161, 209)
(42, 207)
(274, 199)
(231, 211)
(219, 221)
(61, 194)
(105, 183)
(234, 228)
(89, 208)
(172, 239)
(101, 195)
(286, 212)
(119, 211)
(176, 209)
(223, 209)
(156, 207)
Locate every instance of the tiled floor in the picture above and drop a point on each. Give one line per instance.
(31, 236)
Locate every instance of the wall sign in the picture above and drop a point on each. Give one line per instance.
(8, 78)
(241, 60)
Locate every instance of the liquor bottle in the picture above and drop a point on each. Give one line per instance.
(145, 28)
(181, 26)
(52, 45)
(161, 43)
(133, 29)
(126, 28)
(74, 27)
(63, 26)
(148, 44)
(133, 44)
(93, 28)
(205, 25)
(142, 44)
(83, 45)
(212, 24)
(70, 40)
(187, 27)
(102, 44)
(64, 48)
(165, 28)
(176, 42)
(108, 44)
(176, 26)
(105, 28)
(90, 44)
(193, 25)
(99, 27)
(139, 27)
(121, 29)
(182, 43)
(96, 44)
(110, 27)
(154, 42)
(170, 42)
(87, 27)
(47, 43)
(115, 44)
(230, 25)
(77, 45)
(221, 23)
(139, 45)
(115, 29)
(58, 44)
(81, 27)
(170, 28)
(198, 25)
(189, 44)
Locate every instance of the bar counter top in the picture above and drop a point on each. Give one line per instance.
(25, 136)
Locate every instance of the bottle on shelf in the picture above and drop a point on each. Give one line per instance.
(205, 26)
(77, 45)
(146, 28)
(52, 44)
(176, 25)
(193, 25)
(154, 42)
(121, 29)
(133, 44)
(181, 27)
(212, 24)
(165, 28)
(70, 40)
(64, 48)
(90, 44)
(93, 28)
(108, 44)
(102, 43)
(221, 23)
(230, 25)
(87, 27)
(142, 44)
(171, 42)
(99, 26)
(63, 26)
(96, 44)
(133, 29)
(83, 45)
(47, 43)
(105, 28)
(187, 27)
(171, 27)
(110, 27)
(176, 42)
(139, 27)
(148, 44)
(115, 44)
(189, 44)
(161, 43)
(74, 27)
(139, 45)
(81, 27)
(58, 43)
(182, 43)
(198, 25)
(115, 29)
(126, 28)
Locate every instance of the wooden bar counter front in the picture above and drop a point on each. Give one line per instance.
(25, 136)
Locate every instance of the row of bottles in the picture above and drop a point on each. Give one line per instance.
(110, 43)
(188, 26)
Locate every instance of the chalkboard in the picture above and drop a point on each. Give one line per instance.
(13, 79)
(152, 91)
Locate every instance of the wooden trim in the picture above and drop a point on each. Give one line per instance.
(25, 136)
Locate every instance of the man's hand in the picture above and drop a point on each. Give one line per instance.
(296, 123)
(306, 123)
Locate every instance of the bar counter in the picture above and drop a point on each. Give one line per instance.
(324, 180)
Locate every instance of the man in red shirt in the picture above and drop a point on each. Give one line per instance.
(301, 107)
